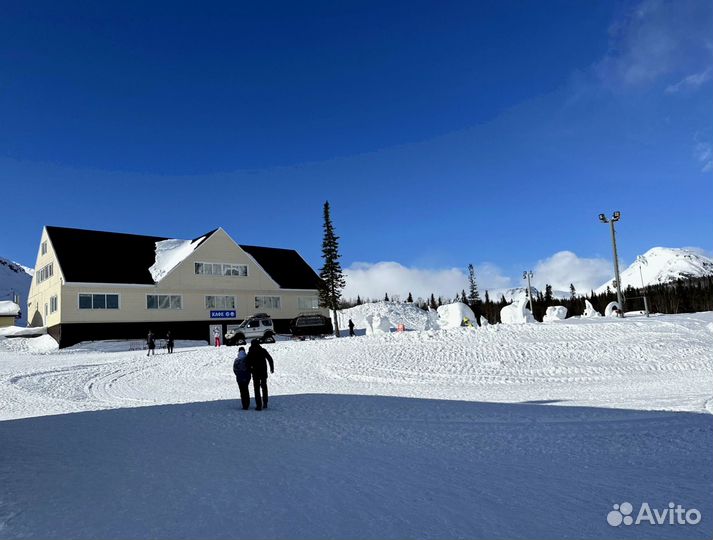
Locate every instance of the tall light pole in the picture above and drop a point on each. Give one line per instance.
(528, 275)
(616, 216)
(642, 260)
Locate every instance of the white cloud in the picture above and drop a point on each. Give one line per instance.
(372, 280)
(565, 267)
(655, 40)
(704, 153)
(691, 82)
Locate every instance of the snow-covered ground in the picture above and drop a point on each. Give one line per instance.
(522, 431)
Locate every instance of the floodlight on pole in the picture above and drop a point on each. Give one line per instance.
(528, 275)
(616, 216)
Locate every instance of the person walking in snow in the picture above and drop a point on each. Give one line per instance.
(169, 342)
(257, 358)
(151, 342)
(241, 368)
(216, 336)
(351, 328)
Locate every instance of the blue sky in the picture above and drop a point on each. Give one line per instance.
(441, 133)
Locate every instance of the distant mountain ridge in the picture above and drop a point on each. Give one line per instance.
(15, 278)
(663, 265)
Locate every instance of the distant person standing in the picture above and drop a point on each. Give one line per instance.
(241, 368)
(216, 336)
(169, 342)
(257, 358)
(151, 342)
(351, 328)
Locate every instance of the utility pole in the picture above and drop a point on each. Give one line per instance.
(641, 260)
(528, 275)
(616, 216)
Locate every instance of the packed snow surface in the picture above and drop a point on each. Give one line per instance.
(510, 431)
(662, 265)
(169, 254)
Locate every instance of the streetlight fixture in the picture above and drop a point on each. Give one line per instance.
(528, 275)
(616, 216)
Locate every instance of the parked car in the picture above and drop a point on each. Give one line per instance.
(258, 326)
(311, 324)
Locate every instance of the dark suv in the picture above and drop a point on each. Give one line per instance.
(311, 324)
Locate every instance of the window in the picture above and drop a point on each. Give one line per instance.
(267, 302)
(44, 247)
(53, 303)
(220, 302)
(98, 301)
(44, 273)
(164, 301)
(307, 303)
(221, 269)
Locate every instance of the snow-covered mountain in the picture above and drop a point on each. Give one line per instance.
(15, 278)
(515, 293)
(662, 265)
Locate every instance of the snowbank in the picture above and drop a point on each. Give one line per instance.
(516, 313)
(411, 316)
(9, 309)
(589, 311)
(10, 331)
(169, 253)
(33, 345)
(451, 315)
(555, 313)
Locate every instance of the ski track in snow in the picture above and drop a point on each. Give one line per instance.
(419, 434)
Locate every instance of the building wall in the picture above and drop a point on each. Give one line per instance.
(7, 320)
(181, 281)
(41, 293)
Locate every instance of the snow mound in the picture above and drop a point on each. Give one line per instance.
(411, 316)
(169, 254)
(589, 311)
(33, 345)
(555, 313)
(9, 309)
(663, 265)
(11, 331)
(452, 315)
(609, 310)
(516, 313)
(377, 324)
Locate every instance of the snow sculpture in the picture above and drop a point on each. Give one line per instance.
(555, 313)
(376, 324)
(609, 310)
(451, 315)
(516, 313)
(483, 321)
(589, 311)
(432, 320)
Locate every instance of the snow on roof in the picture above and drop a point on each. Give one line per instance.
(169, 254)
(9, 309)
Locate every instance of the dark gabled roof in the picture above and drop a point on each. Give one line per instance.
(109, 257)
(285, 266)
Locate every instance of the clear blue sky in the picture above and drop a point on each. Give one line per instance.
(442, 133)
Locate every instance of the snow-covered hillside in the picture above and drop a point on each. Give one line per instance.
(515, 293)
(15, 278)
(521, 431)
(662, 265)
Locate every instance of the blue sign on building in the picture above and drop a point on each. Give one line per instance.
(223, 314)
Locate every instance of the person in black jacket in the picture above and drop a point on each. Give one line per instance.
(169, 342)
(256, 360)
(151, 342)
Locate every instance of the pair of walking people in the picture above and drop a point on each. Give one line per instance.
(253, 364)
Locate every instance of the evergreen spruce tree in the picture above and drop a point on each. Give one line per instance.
(548, 294)
(572, 291)
(410, 298)
(487, 297)
(386, 297)
(358, 301)
(464, 298)
(331, 273)
(432, 303)
(473, 295)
